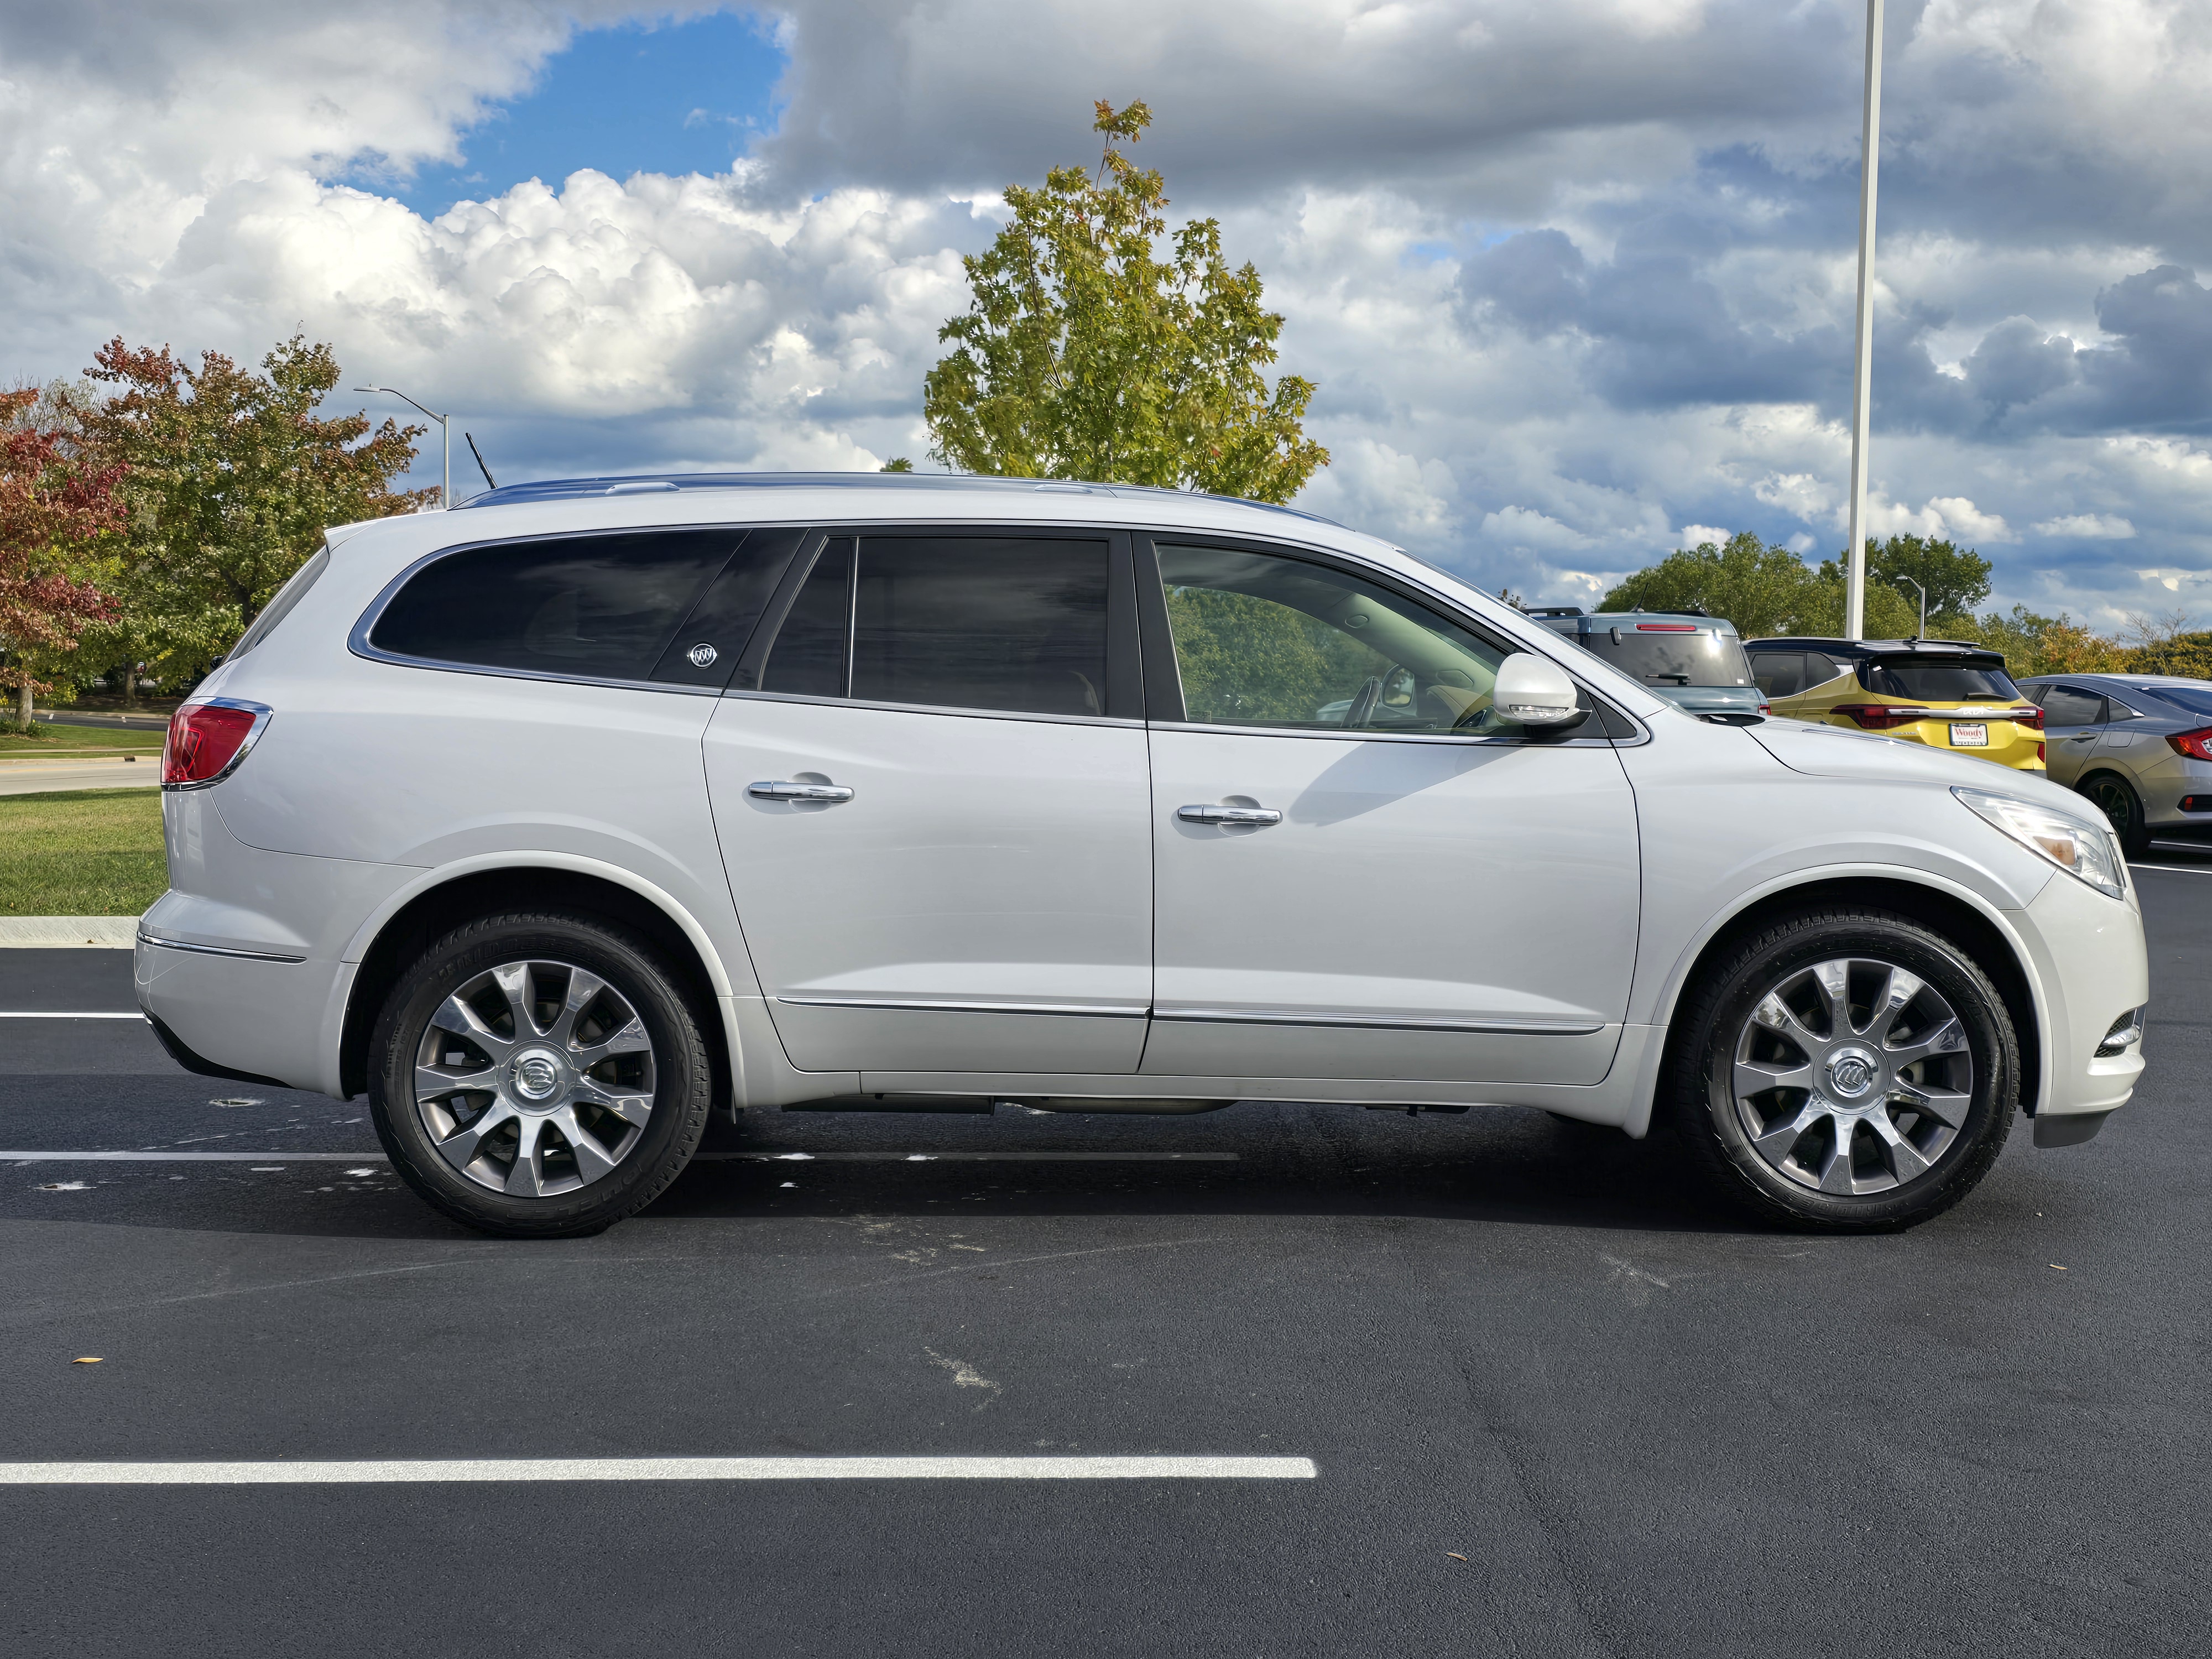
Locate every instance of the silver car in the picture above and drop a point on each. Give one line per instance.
(2140, 745)
(565, 821)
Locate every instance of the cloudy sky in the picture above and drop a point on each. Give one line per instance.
(1575, 277)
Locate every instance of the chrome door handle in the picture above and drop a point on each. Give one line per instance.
(1229, 815)
(781, 789)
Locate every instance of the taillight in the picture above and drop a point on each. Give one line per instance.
(1766, 708)
(208, 739)
(2029, 716)
(1882, 716)
(2196, 745)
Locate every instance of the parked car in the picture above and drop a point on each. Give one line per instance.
(1694, 661)
(563, 822)
(1942, 693)
(2140, 745)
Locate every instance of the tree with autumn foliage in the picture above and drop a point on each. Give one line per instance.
(1084, 354)
(56, 503)
(232, 478)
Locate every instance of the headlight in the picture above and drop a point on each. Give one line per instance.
(2080, 849)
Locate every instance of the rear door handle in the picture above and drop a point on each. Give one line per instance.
(1229, 815)
(783, 789)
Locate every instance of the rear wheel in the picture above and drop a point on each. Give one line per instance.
(539, 1076)
(2123, 809)
(1845, 1070)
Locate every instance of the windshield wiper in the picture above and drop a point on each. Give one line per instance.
(1678, 679)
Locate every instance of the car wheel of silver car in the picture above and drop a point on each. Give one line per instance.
(1845, 1070)
(539, 1076)
(2123, 809)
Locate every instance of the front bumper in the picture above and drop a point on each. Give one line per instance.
(2087, 953)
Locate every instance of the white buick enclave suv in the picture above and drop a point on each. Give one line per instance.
(562, 821)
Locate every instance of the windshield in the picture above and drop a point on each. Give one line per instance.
(1945, 681)
(1671, 658)
(2197, 700)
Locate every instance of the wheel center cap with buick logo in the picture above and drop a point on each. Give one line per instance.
(537, 1074)
(1851, 1072)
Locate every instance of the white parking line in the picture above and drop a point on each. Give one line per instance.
(191, 1158)
(710, 1158)
(39, 1014)
(971, 1157)
(442, 1471)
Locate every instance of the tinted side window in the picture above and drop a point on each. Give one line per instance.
(722, 621)
(808, 659)
(1820, 669)
(1779, 673)
(2065, 705)
(599, 606)
(1001, 622)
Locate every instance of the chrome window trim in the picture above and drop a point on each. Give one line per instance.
(1377, 1022)
(1087, 1010)
(145, 938)
(261, 713)
(1363, 736)
(931, 708)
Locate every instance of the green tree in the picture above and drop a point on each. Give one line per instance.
(1764, 590)
(232, 477)
(1957, 579)
(1085, 354)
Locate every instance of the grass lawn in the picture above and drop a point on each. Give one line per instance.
(82, 853)
(65, 742)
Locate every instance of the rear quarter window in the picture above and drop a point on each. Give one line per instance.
(599, 607)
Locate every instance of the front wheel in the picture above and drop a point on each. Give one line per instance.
(1844, 1072)
(2123, 809)
(538, 1076)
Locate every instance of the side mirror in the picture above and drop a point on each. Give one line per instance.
(1534, 690)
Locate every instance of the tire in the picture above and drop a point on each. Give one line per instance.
(1812, 1152)
(551, 1142)
(2123, 810)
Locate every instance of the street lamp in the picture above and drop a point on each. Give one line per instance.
(1923, 592)
(445, 491)
(1862, 369)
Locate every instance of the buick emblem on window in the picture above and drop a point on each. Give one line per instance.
(702, 656)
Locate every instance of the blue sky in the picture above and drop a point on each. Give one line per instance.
(642, 97)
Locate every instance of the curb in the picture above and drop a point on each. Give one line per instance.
(68, 932)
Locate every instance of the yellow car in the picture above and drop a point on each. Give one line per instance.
(1939, 692)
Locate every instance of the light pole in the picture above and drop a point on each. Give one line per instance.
(1862, 367)
(445, 490)
(1923, 592)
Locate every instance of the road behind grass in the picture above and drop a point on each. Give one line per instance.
(1557, 1404)
(82, 853)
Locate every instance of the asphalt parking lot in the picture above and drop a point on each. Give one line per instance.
(1551, 1404)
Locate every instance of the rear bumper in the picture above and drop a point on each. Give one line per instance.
(257, 1019)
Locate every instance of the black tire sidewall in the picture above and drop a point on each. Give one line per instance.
(683, 1077)
(1704, 1097)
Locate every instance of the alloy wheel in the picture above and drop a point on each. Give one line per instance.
(1852, 1076)
(534, 1078)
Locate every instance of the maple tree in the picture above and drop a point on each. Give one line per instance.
(55, 503)
(233, 476)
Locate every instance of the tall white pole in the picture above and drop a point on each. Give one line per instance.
(1863, 366)
(445, 432)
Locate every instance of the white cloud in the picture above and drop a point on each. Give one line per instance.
(1697, 535)
(159, 178)
(2089, 526)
